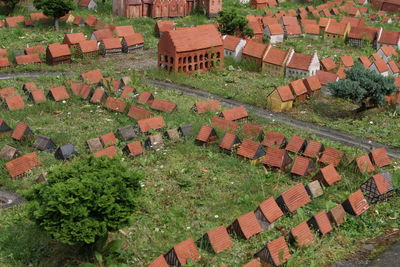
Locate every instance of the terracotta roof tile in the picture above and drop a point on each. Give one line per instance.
(274, 139)
(285, 93)
(389, 37)
(7, 92)
(277, 158)
(115, 104)
(58, 50)
(134, 39)
(356, 204)
(328, 64)
(300, 61)
(312, 83)
(91, 20)
(364, 164)
(59, 93)
(27, 59)
(4, 62)
(206, 134)
(145, 98)
(234, 114)
(252, 130)
(92, 77)
(269, 20)
(228, 140)
(302, 234)
(207, 106)
(153, 123)
(381, 65)
(108, 152)
(250, 150)
(347, 61)
(249, 225)
(363, 33)
(20, 131)
(298, 87)
(3, 52)
(276, 56)
(279, 250)
(38, 96)
(186, 250)
(224, 124)
(275, 29)
(135, 148)
(219, 239)
(138, 113)
(311, 28)
(326, 77)
(163, 105)
(388, 50)
(354, 22)
(159, 262)
(164, 26)
(270, 210)
(254, 49)
(15, 102)
(296, 144)
(336, 28)
(98, 96)
(328, 175)
(320, 222)
(302, 166)
(112, 43)
(313, 149)
(22, 164)
(88, 46)
(253, 263)
(294, 29)
(380, 158)
(73, 38)
(39, 49)
(332, 156)
(122, 31)
(231, 42)
(382, 184)
(100, 35)
(295, 197)
(393, 67)
(289, 20)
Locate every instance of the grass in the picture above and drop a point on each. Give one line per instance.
(188, 189)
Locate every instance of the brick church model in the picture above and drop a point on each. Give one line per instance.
(164, 8)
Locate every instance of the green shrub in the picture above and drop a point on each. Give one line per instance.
(85, 199)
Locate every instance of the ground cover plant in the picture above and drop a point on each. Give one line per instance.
(186, 189)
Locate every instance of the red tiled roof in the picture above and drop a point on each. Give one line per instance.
(330, 175)
(91, 20)
(382, 184)
(88, 46)
(312, 83)
(332, 156)
(302, 166)
(354, 22)
(153, 123)
(336, 28)
(252, 263)
(296, 144)
(39, 49)
(279, 250)
(4, 62)
(347, 61)
(15, 102)
(363, 33)
(159, 262)
(138, 113)
(254, 49)
(22, 164)
(277, 158)
(27, 59)
(207, 106)
(269, 20)
(7, 92)
(234, 114)
(298, 87)
(58, 50)
(38, 96)
(128, 91)
(135, 148)
(313, 149)
(97, 96)
(289, 20)
(204, 133)
(302, 234)
(122, 31)
(224, 124)
(276, 56)
(255, 26)
(108, 152)
(73, 38)
(248, 149)
(134, 39)
(364, 164)
(393, 66)
(194, 38)
(252, 130)
(365, 61)
(270, 210)
(115, 104)
(294, 29)
(186, 250)
(275, 29)
(103, 34)
(311, 28)
(59, 93)
(326, 77)
(228, 140)
(108, 139)
(249, 225)
(300, 61)
(112, 43)
(295, 197)
(357, 202)
(164, 26)
(328, 64)
(145, 98)
(380, 157)
(388, 50)
(285, 93)
(231, 42)
(219, 239)
(19, 131)
(92, 77)
(323, 223)
(389, 37)
(273, 139)
(381, 65)
(163, 105)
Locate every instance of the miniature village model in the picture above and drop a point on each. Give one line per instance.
(199, 132)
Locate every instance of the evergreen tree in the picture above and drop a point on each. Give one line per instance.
(364, 87)
(230, 21)
(55, 8)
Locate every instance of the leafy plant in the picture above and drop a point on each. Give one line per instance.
(8, 6)
(55, 8)
(84, 200)
(230, 22)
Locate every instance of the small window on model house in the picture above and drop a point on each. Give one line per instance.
(190, 67)
(180, 60)
(195, 67)
(201, 65)
(171, 60)
(218, 55)
(190, 59)
(201, 57)
(195, 58)
(166, 58)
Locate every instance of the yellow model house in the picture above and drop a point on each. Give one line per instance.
(336, 31)
(280, 99)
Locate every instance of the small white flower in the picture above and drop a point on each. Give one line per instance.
(161, 189)
(371, 122)
(69, 113)
(232, 182)
(188, 227)
(162, 167)
(64, 101)
(216, 216)
(155, 93)
(157, 229)
(273, 120)
(369, 142)
(141, 185)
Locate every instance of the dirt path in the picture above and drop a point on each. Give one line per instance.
(321, 131)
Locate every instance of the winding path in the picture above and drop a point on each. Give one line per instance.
(321, 131)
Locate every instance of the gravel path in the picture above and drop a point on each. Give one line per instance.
(321, 131)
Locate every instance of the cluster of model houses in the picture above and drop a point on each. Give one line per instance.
(276, 252)
(108, 39)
